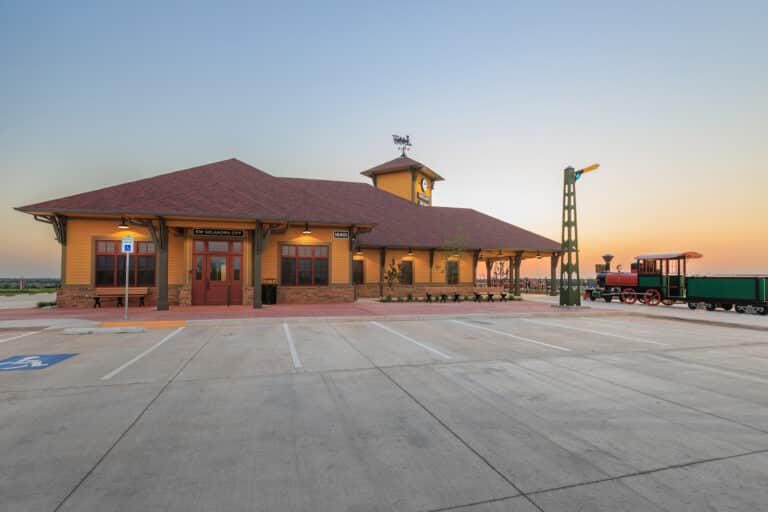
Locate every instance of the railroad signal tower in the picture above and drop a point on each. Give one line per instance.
(570, 284)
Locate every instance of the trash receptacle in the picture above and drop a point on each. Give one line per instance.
(269, 293)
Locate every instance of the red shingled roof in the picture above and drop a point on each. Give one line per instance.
(234, 189)
(400, 163)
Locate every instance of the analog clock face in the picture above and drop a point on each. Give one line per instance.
(424, 184)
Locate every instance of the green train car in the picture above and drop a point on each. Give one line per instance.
(662, 279)
(746, 293)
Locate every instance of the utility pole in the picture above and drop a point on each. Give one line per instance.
(570, 285)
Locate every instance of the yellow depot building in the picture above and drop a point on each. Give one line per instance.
(213, 234)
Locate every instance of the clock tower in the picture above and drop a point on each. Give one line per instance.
(405, 177)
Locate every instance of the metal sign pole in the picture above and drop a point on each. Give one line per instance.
(127, 266)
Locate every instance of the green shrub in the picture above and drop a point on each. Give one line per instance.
(43, 304)
(410, 297)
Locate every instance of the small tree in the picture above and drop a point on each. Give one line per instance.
(393, 275)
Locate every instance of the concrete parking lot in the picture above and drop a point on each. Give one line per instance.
(544, 412)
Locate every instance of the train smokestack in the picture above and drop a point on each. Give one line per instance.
(607, 258)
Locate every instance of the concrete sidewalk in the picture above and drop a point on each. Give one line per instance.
(676, 312)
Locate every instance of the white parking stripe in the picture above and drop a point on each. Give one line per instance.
(501, 333)
(150, 349)
(602, 333)
(407, 338)
(20, 336)
(292, 347)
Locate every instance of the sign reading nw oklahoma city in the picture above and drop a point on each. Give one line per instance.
(217, 232)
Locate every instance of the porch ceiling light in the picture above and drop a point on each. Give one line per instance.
(359, 252)
(123, 224)
(410, 252)
(538, 255)
(306, 231)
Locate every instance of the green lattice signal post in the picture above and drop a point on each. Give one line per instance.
(570, 287)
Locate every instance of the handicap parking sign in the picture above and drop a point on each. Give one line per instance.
(37, 362)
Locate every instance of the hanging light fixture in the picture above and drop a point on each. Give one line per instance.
(359, 251)
(538, 255)
(410, 252)
(499, 254)
(123, 224)
(306, 231)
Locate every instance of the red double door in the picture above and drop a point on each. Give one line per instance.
(217, 273)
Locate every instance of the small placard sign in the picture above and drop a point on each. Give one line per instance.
(217, 232)
(126, 245)
(341, 235)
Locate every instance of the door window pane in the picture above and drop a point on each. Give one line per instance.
(236, 268)
(146, 248)
(305, 271)
(146, 271)
(217, 266)
(237, 246)
(406, 276)
(121, 271)
(105, 270)
(321, 271)
(289, 250)
(321, 251)
(198, 268)
(452, 272)
(357, 272)
(218, 246)
(199, 246)
(305, 250)
(105, 246)
(288, 272)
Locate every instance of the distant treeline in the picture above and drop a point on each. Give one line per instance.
(12, 283)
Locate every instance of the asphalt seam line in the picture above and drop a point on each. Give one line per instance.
(629, 338)
(461, 440)
(292, 347)
(132, 424)
(652, 471)
(138, 357)
(521, 338)
(415, 342)
(20, 336)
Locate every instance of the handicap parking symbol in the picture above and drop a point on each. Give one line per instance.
(36, 362)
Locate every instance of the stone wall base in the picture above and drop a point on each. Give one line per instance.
(314, 294)
(83, 297)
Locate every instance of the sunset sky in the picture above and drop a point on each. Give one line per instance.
(671, 98)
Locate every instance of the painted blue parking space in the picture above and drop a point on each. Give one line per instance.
(32, 362)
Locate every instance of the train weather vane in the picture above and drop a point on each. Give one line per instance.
(402, 143)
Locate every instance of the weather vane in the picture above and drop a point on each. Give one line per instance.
(402, 143)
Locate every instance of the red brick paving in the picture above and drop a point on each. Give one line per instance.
(277, 311)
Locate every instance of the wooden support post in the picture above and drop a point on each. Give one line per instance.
(431, 263)
(488, 266)
(518, 260)
(475, 259)
(352, 240)
(258, 241)
(512, 277)
(382, 263)
(553, 273)
(161, 243)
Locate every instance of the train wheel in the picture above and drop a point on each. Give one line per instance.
(726, 307)
(762, 310)
(628, 296)
(607, 298)
(653, 297)
(740, 309)
(668, 302)
(691, 305)
(710, 307)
